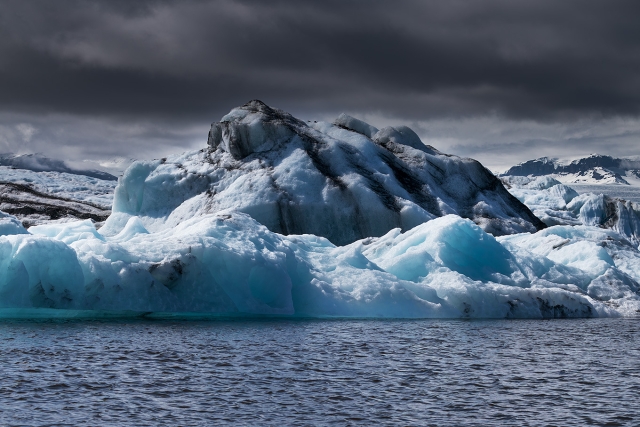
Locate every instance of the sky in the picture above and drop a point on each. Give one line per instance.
(499, 81)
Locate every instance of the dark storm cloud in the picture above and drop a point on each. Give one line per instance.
(543, 59)
(501, 81)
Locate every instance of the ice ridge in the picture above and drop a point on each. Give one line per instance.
(327, 179)
(40, 163)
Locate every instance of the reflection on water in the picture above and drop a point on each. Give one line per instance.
(313, 372)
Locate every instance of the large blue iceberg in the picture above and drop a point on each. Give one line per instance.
(231, 264)
(213, 231)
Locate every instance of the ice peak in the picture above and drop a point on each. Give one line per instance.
(256, 104)
(342, 181)
(390, 137)
(251, 128)
(355, 125)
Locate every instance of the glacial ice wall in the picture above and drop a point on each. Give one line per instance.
(230, 264)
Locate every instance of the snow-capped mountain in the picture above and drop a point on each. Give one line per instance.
(40, 163)
(594, 169)
(345, 180)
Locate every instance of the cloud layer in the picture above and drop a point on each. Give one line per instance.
(530, 69)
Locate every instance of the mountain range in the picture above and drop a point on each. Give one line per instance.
(594, 169)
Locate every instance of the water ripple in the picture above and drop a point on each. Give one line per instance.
(284, 372)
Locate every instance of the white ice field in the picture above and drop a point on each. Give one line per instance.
(62, 184)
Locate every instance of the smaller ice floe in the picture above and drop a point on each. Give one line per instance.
(229, 264)
(610, 262)
(10, 225)
(558, 204)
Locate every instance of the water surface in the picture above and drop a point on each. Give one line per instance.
(320, 372)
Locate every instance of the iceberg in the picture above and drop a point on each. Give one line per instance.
(283, 218)
(344, 181)
(558, 204)
(229, 264)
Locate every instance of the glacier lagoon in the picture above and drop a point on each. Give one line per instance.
(575, 372)
(182, 308)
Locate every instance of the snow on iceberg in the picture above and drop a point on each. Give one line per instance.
(282, 218)
(229, 264)
(344, 181)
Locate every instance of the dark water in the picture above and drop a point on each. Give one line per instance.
(281, 372)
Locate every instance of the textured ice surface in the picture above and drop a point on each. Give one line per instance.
(61, 184)
(230, 264)
(344, 181)
(44, 197)
(557, 204)
(625, 192)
